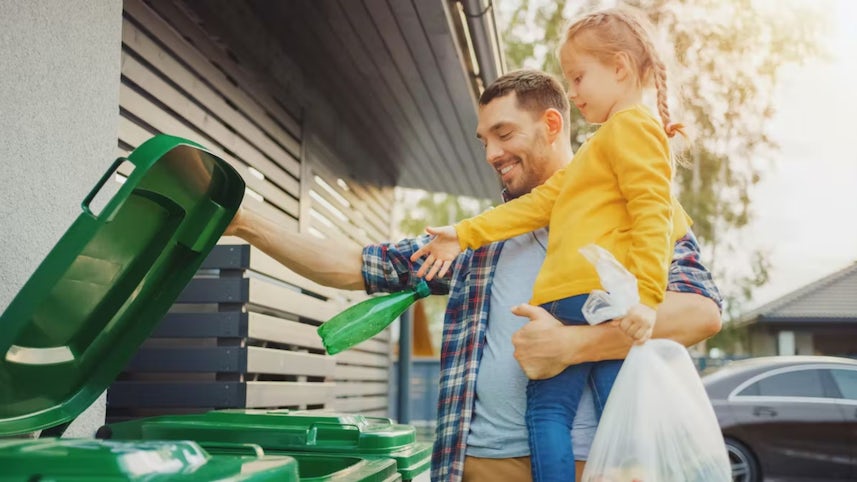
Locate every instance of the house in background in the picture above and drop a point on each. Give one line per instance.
(818, 319)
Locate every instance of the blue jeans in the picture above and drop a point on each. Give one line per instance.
(552, 403)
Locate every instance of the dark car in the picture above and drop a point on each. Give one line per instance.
(788, 418)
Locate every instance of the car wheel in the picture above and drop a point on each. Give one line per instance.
(743, 462)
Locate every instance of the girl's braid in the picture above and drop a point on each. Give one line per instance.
(659, 71)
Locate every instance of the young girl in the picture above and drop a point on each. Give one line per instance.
(614, 193)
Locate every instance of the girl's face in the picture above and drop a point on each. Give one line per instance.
(594, 87)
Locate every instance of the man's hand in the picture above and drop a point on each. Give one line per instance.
(542, 345)
(440, 252)
(638, 323)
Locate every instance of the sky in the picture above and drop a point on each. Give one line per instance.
(806, 205)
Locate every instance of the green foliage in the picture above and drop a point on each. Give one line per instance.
(726, 59)
(435, 209)
(732, 339)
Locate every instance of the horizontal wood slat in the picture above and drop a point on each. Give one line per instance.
(278, 330)
(231, 359)
(348, 389)
(360, 404)
(285, 394)
(355, 357)
(166, 394)
(350, 372)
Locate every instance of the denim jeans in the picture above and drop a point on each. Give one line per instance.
(552, 403)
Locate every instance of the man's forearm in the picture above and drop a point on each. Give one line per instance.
(544, 346)
(323, 261)
(687, 318)
(683, 317)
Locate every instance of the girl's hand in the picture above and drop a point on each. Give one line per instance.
(638, 323)
(439, 252)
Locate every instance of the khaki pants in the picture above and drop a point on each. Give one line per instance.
(478, 469)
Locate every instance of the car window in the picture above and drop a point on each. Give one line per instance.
(846, 381)
(800, 383)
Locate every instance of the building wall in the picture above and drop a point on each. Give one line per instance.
(58, 119)
(807, 341)
(762, 342)
(804, 344)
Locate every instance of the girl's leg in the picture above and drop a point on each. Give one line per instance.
(602, 376)
(551, 406)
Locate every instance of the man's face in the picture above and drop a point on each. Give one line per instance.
(515, 144)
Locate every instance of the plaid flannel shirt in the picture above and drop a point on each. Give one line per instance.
(387, 268)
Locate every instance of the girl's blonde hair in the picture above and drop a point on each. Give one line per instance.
(605, 33)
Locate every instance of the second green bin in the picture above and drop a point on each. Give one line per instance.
(289, 432)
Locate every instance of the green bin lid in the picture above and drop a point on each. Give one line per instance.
(279, 431)
(332, 468)
(109, 280)
(78, 460)
(323, 468)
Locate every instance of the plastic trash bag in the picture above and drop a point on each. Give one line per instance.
(620, 285)
(658, 425)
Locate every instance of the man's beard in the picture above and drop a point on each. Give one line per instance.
(528, 180)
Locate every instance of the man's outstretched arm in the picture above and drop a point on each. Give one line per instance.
(323, 261)
(544, 346)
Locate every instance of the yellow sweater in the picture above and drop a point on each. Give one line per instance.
(614, 193)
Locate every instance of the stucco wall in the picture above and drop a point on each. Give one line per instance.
(59, 97)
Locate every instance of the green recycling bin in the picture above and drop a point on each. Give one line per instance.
(109, 280)
(288, 432)
(76, 460)
(96, 296)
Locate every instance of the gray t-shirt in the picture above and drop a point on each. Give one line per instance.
(498, 428)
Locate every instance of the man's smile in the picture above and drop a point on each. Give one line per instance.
(505, 170)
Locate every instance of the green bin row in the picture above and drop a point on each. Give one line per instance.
(284, 431)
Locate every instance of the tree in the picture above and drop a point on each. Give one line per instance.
(729, 54)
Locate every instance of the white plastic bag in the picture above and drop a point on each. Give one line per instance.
(658, 425)
(620, 285)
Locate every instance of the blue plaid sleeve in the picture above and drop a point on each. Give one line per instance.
(387, 267)
(688, 274)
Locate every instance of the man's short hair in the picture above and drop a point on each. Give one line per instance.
(535, 91)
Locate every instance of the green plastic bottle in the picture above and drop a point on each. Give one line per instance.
(366, 319)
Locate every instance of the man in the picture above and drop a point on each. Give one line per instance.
(481, 433)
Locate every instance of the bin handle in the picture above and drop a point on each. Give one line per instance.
(380, 420)
(89, 197)
(312, 431)
(242, 448)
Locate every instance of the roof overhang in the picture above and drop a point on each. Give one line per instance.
(399, 79)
